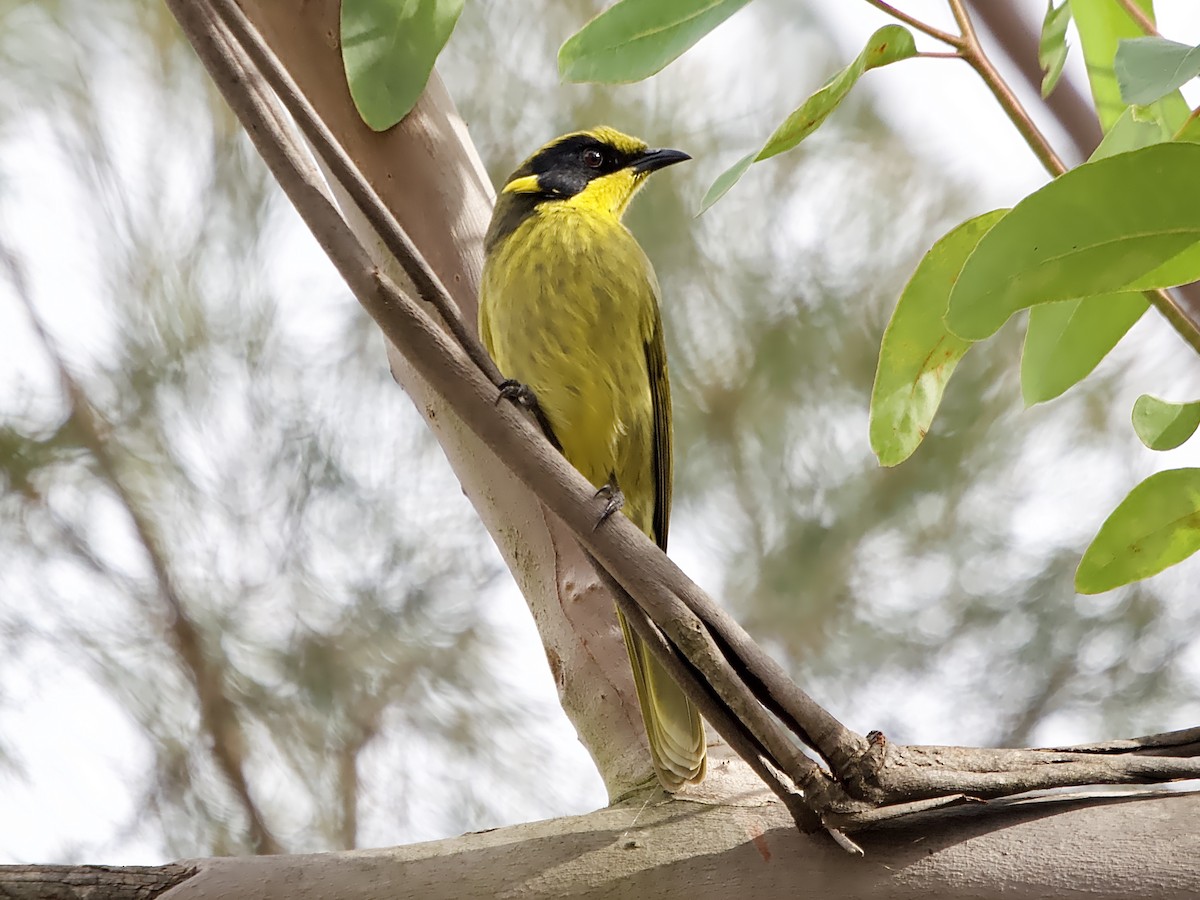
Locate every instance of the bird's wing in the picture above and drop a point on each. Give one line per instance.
(664, 454)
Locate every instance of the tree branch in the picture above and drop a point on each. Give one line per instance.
(1078, 118)
(1107, 848)
(973, 52)
(427, 285)
(1019, 40)
(91, 882)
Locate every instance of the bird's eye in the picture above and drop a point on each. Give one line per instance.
(593, 158)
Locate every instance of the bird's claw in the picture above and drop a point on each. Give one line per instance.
(516, 392)
(523, 397)
(613, 501)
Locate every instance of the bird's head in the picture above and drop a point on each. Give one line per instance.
(598, 171)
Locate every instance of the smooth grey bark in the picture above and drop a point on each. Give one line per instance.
(1057, 847)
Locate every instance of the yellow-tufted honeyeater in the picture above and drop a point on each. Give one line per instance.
(569, 309)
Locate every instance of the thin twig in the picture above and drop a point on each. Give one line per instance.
(218, 715)
(1139, 16)
(944, 36)
(973, 52)
(1019, 39)
(1185, 742)
(1192, 116)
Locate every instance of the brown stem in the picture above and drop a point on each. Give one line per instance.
(973, 52)
(1173, 311)
(943, 36)
(1139, 16)
(1019, 39)
(218, 715)
(729, 726)
(1192, 116)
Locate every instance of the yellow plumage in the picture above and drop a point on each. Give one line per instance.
(569, 308)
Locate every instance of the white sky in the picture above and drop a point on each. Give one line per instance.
(75, 785)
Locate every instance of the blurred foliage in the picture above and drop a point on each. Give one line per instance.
(342, 585)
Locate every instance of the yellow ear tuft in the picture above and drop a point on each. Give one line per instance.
(527, 184)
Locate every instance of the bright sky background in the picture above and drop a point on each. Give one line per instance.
(77, 764)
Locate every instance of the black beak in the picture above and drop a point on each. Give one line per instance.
(653, 160)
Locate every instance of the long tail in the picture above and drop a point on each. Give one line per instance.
(674, 727)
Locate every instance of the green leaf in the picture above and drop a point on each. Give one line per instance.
(1052, 45)
(1148, 68)
(1131, 132)
(1100, 228)
(1179, 269)
(1164, 426)
(1156, 526)
(1066, 341)
(725, 181)
(633, 39)
(887, 45)
(918, 355)
(1102, 24)
(388, 49)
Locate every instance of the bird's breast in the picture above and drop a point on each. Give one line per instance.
(568, 305)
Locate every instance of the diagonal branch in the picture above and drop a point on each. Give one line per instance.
(218, 714)
(913, 22)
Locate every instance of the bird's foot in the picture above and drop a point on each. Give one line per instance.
(613, 501)
(523, 397)
(520, 394)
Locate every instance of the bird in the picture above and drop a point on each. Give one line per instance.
(569, 311)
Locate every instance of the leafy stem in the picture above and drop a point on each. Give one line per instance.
(972, 51)
(968, 47)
